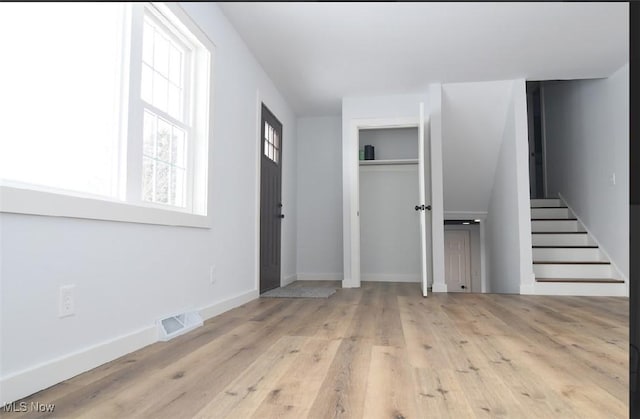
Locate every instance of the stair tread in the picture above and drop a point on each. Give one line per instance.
(546, 262)
(585, 280)
(554, 219)
(589, 246)
(549, 207)
(558, 232)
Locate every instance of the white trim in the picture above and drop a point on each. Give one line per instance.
(464, 215)
(349, 284)
(523, 199)
(528, 289)
(424, 276)
(38, 377)
(543, 132)
(321, 277)
(439, 287)
(288, 280)
(220, 307)
(483, 257)
(437, 188)
(258, 174)
(36, 202)
(531, 143)
(415, 278)
(618, 272)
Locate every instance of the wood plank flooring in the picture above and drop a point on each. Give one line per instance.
(381, 351)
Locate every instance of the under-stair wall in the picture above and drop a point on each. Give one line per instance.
(508, 230)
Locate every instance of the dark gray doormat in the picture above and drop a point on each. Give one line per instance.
(299, 292)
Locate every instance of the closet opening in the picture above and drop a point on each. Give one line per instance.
(390, 238)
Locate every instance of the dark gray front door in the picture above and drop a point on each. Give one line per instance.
(270, 201)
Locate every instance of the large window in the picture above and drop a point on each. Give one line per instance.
(105, 101)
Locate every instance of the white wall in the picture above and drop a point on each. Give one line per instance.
(393, 143)
(508, 231)
(128, 275)
(436, 247)
(474, 249)
(473, 117)
(587, 140)
(389, 224)
(319, 198)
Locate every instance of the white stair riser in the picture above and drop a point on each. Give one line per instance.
(564, 288)
(561, 240)
(572, 271)
(545, 203)
(568, 255)
(550, 213)
(563, 225)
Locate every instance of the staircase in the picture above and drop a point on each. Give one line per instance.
(566, 259)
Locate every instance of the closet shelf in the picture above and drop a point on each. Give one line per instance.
(383, 162)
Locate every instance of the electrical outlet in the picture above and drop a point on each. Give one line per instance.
(212, 276)
(66, 303)
(612, 179)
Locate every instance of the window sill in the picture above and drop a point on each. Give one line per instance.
(36, 202)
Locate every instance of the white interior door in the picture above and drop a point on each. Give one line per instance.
(457, 268)
(421, 207)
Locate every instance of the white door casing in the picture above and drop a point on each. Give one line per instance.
(422, 203)
(350, 177)
(457, 260)
(532, 149)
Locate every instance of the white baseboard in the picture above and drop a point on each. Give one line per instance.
(320, 277)
(288, 280)
(439, 287)
(31, 380)
(349, 284)
(226, 305)
(527, 289)
(389, 278)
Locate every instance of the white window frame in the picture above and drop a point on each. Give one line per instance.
(128, 206)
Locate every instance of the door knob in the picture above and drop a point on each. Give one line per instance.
(422, 207)
(462, 286)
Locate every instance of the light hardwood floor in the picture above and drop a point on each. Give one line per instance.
(381, 351)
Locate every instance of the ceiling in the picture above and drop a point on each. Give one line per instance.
(318, 52)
